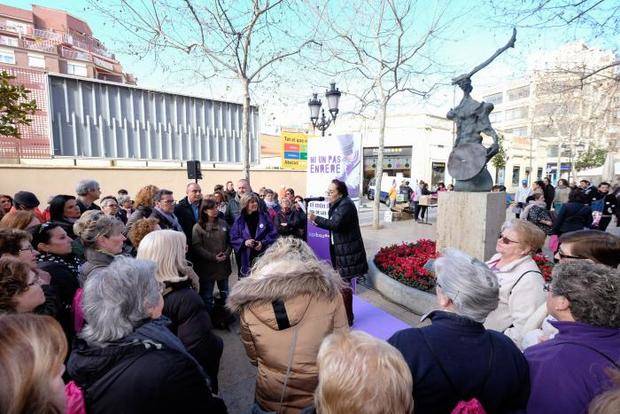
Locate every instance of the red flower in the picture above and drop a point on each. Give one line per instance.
(545, 266)
(405, 263)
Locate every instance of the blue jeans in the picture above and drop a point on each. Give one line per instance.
(206, 291)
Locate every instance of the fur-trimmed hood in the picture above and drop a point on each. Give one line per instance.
(296, 280)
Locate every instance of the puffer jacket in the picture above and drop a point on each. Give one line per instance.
(347, 247)
(272, 308)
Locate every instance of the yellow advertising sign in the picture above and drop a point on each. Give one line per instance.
(294, 152)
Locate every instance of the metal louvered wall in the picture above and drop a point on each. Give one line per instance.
(92, 118)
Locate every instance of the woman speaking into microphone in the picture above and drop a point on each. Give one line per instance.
(346, 246)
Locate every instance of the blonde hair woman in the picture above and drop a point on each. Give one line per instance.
(288, 304)
(371, 373)
(182, 304)
(102, 237)
(520, 280)
(31, 365)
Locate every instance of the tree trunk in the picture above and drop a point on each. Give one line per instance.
(379, 170)
(245, 130)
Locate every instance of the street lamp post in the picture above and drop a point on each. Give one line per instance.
(333, 97)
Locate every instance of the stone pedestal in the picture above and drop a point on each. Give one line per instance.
(470, 222)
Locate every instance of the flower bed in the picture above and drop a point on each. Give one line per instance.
(405, 263)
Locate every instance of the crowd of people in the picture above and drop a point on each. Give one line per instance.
(563, 208)
(122, 294)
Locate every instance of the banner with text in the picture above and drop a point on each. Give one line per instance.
(294, 151)
(328, 160)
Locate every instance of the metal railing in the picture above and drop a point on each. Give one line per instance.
(9, 41)
(41, 45)
(75, 54)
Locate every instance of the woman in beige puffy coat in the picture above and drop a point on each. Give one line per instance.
(288, 305)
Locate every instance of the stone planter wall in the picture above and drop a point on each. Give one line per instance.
(415, 300)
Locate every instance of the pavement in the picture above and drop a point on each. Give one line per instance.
(237, 376)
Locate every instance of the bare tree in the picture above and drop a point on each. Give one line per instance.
(382, 52)
(244, 41)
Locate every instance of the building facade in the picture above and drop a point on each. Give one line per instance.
(44, 40)
(555, 112)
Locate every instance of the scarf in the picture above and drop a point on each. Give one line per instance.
(171, 218)
(70, 261)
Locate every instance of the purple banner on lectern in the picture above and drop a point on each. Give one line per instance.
(318, 238)
(331, 158)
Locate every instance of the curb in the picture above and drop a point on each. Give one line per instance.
(413, 299)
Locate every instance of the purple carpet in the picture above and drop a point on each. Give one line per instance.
(375, 321)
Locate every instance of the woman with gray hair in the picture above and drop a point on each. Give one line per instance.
(456, 358)
(568, 371)
(127, 360)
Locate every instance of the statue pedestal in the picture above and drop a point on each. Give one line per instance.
(470, 222)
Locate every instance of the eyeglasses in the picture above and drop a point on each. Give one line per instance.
(29, 248)
(505, 239)
(547, 287)
(167, 201)
(34, 282)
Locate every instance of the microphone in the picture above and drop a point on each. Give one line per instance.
(309, 199)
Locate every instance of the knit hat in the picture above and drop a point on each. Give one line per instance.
(26, 199)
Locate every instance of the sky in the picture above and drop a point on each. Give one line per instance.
(477, 33)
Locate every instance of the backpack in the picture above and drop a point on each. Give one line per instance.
(464, 406)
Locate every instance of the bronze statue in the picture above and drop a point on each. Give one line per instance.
(468, 159)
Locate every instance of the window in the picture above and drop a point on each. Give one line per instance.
(438, 173)
(519, 93)
(517, 113)
(552, 151)
(539, 173)
(36, 61)
(9, 41)
(496, 116)
(519, 132)
(77, 69)
(516, 171)
(495, 99)
(7, 56)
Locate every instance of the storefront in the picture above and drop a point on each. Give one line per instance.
(395, 160)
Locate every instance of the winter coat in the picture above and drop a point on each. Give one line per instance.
(463, 347)
(83, 207)
(206, 244)
(239, 233)
(185, 214)
(271, 310)
(549, 195)
(520, 294)
(191, 323)
(572, 217)
(568, 371)
(289, 224)
(346, 245)
(233, 210)
(139, 213)
(64, 280)
(147, 372)
(164, 222)
(95, 262)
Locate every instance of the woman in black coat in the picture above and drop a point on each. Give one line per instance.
(182, 303)
(574, 215)
(346, 246)
(129, 361)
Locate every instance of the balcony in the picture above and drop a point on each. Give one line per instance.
(7, 27)
(40, 45)
(104, 64)
(48, 35)
(74, 54)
